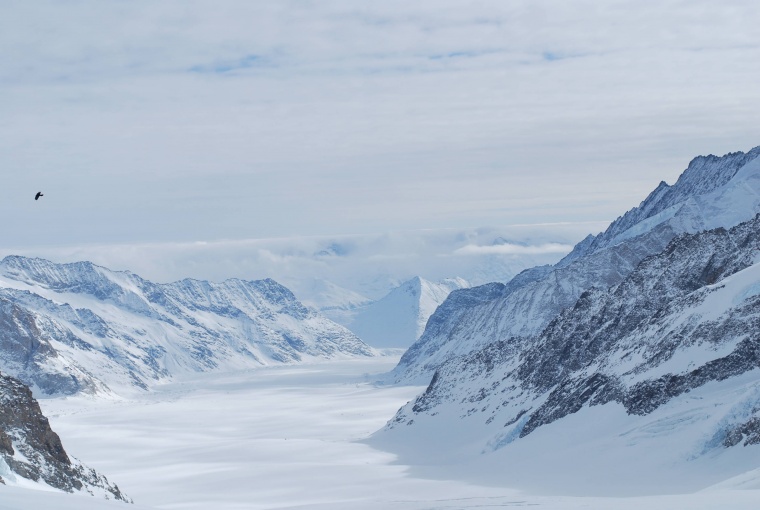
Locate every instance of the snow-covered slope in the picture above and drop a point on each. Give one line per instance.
(31, 454)
(80, 327)
(670, 355)
(712, 192)
(399, 318)
(333, 301)
(695, 190)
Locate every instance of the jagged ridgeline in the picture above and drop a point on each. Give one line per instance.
(30, 449)
(68, 328)
(659, 315)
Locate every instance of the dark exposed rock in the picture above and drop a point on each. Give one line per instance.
(425, 401)
(31, 449)
(749, 432)
(646, 396)
(570, 397)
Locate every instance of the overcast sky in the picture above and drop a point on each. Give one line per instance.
(184, 121)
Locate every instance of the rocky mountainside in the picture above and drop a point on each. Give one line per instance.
(30, 450)
(684, 318)
(69, 328)
(399, 318)
(712, 192)
(655, 362)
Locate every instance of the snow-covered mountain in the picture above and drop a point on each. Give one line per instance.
(77, 327)
(672, 352)
(31, 452)
(399, 318)
(333, 301)
(655, 361)
(712, 192)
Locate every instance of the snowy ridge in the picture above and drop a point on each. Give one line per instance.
(712, 192)
(399, 318)
(80, 327)
(704, 175)
(330, 299)
(672, 353)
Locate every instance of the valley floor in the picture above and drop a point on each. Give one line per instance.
(284, 438)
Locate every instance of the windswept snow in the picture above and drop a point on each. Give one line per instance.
(291, 438)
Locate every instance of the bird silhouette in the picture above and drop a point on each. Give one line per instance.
(38, 195)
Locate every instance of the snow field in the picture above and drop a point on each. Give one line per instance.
(285, 438)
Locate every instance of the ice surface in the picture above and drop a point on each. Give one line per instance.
(286, 438)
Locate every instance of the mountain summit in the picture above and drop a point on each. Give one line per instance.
(712, 192)
(399, 318)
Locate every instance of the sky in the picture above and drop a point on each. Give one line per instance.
(173, 123)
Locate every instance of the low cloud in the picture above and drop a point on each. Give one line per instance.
(369, 264)
(514, 249)
(179, 120)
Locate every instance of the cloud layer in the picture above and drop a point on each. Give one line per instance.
(190, 120)
(369, 264)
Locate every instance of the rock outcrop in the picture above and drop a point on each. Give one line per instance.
(30, 449)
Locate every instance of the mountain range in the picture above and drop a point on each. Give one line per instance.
(653, 322)
(79, 327)
(634, 358)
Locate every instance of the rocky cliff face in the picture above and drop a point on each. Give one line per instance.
(69, 328)
(30, 449)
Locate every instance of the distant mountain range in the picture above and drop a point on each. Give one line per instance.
(655, 319)
(69, 328)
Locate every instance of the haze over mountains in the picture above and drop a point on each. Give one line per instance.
(399, 318)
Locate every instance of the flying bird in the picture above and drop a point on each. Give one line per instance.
(38, 195)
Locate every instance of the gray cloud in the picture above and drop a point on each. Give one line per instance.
(177, 121)
(514, 249)
(369, 263)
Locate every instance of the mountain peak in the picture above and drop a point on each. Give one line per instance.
(712, 192)
(399, 318)
(704, 176)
